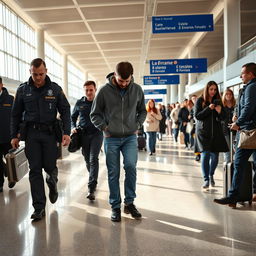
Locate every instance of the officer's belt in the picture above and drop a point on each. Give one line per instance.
(40, 126)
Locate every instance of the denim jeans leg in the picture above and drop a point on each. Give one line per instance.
(214, 159)
(130, 155)
(154, 142)
(112, 148)
(205, 160)
(95, 146)
(241, 157)
(150, 141)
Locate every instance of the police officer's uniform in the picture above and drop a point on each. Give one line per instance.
(38, 108)
(6, 102)
(92, 139)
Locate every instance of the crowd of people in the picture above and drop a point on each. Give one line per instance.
(203, 124)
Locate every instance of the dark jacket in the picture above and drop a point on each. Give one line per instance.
(122, 114)
(83, 110)
(183, 118)
(6, 102)
(227, 120)
(162, 125)
(209, 132)
(246, 108)
(40, 105)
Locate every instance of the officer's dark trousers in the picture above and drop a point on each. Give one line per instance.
(4, 148)
(91, 145)
(41, 151)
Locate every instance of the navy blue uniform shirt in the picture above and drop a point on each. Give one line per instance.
(6, 102)
(82, 110)
(40, 105)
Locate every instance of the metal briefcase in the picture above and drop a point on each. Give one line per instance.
(17, 164)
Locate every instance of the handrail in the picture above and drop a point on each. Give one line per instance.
(247, 47)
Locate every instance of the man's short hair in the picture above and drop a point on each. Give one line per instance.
(1, 81)
(37, 63)
(124, 69)
(90, 82)
(250, 67)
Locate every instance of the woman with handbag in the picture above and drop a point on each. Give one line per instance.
(210, 138)
(151, 125)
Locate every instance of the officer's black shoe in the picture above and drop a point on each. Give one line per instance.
(38, 214)
(11, 184)
(1, 189)
(91, 196)
(230, 201)
(130, 208)
(53, 191)
(116, 215)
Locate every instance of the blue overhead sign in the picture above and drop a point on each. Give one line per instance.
(173, 66)
(182, 23)
(161, 80)
(154, 91)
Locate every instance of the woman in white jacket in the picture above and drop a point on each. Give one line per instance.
(175, 121)
(151, 124)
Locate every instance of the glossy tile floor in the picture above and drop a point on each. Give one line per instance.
(178, 217)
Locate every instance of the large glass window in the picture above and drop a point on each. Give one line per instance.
(17, 45)
(54, 63)
(75, 81)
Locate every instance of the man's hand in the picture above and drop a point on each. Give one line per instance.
(15, 143)
(234, 127)
(73, 130)
(65, 140)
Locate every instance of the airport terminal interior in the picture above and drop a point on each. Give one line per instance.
(83, 40)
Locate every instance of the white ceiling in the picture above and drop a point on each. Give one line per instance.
(100, 33)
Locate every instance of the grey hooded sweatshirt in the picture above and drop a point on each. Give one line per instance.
(116, 114)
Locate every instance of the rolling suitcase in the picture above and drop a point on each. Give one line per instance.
(142, 142)
(17, 164)
(246, 191)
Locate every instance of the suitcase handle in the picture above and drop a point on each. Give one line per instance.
(12, 150)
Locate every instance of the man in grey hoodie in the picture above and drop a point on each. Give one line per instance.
(119, 111)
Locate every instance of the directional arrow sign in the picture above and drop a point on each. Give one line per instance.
(182, 23)
(178, 66)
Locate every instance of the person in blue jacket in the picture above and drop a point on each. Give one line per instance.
(33, 119)
(6, 102)
(91, 136)
(119, 111)
(246, 120)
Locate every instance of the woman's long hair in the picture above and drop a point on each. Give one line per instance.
(150, 109)
(224, 101)
(206, 95)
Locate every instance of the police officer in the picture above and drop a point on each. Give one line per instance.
(91, 136)
(36, 104)
(6, 102)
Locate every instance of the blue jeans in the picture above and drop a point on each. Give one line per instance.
(209, 162)
(176, 134)
(129, 149)
(152, 141)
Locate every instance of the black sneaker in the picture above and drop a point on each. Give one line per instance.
(212, 181)
(11, 184)
(130, 208)
(116, 215)
(53, 191)
(198, 157)
(91, 196)
(38, 214)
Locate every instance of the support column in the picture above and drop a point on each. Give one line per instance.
(40, 44)
(232, 33)
(193, 53)
(174, 93)
(65, 74)
(181, 87)
(168, 95)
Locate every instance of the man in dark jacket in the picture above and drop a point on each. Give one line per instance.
(91, 136)
(6, 102)
(246, 120)
(119, 111)
(37, 103)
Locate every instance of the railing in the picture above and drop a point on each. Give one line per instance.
(247, 47)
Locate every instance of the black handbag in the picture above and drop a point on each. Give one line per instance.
(76, 141)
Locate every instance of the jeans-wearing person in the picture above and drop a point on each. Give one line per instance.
(176, 134)
(152, 141)
(209, 162)
(128, 147)
(90, 150)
